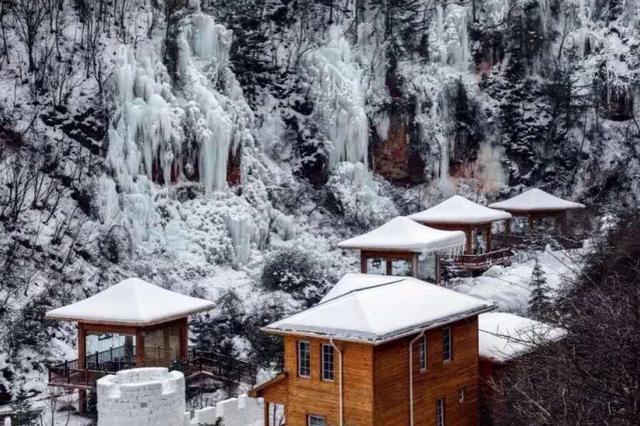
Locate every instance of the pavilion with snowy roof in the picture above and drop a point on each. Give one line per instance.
(476, 221)
(403, 247)
(131, 324)
(536, 204)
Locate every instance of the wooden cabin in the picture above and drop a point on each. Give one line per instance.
(131, 324)
(503, 338)
(534, 206)
(379, 351)
(402, 247)
(476, 221)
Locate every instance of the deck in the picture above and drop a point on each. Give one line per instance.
(484, 260)
(221, 368)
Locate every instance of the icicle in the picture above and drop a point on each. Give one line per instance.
(340, 98)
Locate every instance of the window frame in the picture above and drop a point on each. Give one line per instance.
(317, 417)
(423, 354)
(299, 353)
(440, 412)
(447, 342)
(322, 363)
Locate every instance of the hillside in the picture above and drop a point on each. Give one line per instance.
(192, 144)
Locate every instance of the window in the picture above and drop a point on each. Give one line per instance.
(461, 395)
(315, 421)
(401, 268)
(447, 344)
(376, 266)
(304, 359)
(440, 412)
(423, 353)
(328, 370)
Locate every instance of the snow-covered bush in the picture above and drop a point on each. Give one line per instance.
(296, 271)
(358, 195)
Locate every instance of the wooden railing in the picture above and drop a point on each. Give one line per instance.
(495, 257)
(69, 375)
(100, 364)
(537, 241)
(218, 366)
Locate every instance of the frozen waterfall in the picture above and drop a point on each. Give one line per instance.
(338, 92)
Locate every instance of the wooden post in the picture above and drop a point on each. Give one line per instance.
(139, 347)
(389, 262)
(82, 364)
(363, 262)
(531, 222)
(414, 265)
(266, 412)
(469, 243)
(438, 270)
(488, 237)
(184, 340)
(507, 227)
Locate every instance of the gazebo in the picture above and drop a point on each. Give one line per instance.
(536, 204)
(403, 247)
(461, 214)
(131, 324)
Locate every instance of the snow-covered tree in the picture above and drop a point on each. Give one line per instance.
(540, 307)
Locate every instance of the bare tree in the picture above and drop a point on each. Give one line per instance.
(593, 375)
(30, 15)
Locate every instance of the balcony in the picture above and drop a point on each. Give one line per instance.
(473, 262)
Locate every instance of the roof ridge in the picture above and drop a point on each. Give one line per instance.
(354, 290)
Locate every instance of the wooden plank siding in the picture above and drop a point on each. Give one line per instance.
(442, 379)
(314, 396)
(376, 381)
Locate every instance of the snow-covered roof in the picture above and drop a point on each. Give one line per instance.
(459, 210)
(403, 234)
(131, 302)
(535, 200)
(355, 281)
(369, 309)
(504, 336)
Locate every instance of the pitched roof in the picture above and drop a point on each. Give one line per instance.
(459, 210)
(376, 312)
(356, 281)
(131, 302)
(535, 200)
(402, 233)
(504, 336)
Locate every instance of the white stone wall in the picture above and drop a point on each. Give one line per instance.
(241, 411)
(142, 397)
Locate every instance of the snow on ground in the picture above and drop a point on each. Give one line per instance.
(508, 287)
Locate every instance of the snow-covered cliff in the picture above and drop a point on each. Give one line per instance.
(191, 143)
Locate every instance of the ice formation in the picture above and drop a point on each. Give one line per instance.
(339, 95)
(163, 134)
(449, 37)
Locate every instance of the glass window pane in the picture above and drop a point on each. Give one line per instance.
(401, 268)
(328, 372)
(427, 268)
(447, 344)
(440, 412)
(316, 421)
(377, 266)
(423, 353)
(304, 359)
(162, 346)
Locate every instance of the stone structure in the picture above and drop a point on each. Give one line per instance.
(241, 411)
(141, 397)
